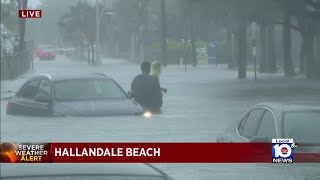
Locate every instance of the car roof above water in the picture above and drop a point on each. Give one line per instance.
(286, 107)
(48, 169)
(61, 77)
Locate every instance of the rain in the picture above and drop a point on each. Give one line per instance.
(219, 59)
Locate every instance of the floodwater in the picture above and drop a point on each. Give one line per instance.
(199, 105)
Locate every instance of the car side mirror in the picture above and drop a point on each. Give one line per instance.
(260, 139)
(43, 98)
(131, 94)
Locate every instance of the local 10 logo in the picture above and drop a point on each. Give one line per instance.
(283, 150)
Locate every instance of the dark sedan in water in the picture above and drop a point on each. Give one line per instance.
(72, 171)
(266, 121)
(72, 95)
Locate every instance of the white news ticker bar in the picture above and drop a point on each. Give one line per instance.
(282, 140)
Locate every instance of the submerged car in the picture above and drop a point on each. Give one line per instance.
(266, 121)
(81, 171)
(72, 95)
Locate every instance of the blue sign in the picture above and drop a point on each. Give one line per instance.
(211, 52)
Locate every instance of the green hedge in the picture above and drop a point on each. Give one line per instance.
(177, 50)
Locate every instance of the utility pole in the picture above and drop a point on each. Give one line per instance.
(98, 60)
(141, 30)
(22, 24)
(254, 50)
(164, 32)
(193, 45)
(254, 53)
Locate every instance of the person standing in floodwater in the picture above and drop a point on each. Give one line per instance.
(156, 69)
(144, 88)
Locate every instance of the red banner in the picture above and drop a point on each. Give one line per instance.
(145, 152)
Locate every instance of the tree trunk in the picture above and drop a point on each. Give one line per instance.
(22, 26)
(132, 53)
(263, 60)
(92, 52)
(82, 50)
(288, 65)
(116, 45)
(318, 48)
(164, 32)
(117, 49)
(19, 3)
(242, 47)
(235, 42)
(89, 57)
(272, 59)
(235, 50)
(229, 46)
(193, 45)
(137, 45)
(302, 60)
(309, 44)
(142, 51)
(303, 49)
(141, 45)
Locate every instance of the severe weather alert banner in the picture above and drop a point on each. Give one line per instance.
(146, 152)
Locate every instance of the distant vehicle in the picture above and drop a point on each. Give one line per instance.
(266, 121)
(69, 51)
(80, 171)
(72, 95)
(65, 51)
(61, 51)
(47, 54)
(42, 48)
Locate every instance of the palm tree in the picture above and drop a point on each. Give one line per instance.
(77, 26)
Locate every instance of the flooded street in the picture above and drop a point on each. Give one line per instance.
(199, 105)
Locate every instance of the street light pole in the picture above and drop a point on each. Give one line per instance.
(255, 59)
(98, 60)
(254, 50)
(164, 33)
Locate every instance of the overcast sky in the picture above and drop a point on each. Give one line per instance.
(34, 3)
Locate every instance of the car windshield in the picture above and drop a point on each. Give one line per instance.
(93, 177)
(302, 126)
(87, 89)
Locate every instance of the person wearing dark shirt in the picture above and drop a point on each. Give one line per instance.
(144, 88)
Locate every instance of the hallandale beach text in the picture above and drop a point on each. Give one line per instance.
(111, 152)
